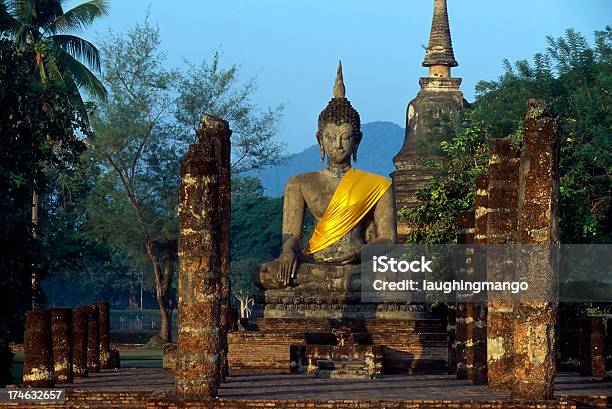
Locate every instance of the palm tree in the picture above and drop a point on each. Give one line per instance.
(42, 25)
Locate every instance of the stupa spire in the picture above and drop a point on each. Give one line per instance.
(339, 89)
(440, 50)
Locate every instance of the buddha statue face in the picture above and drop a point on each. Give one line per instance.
(338, 142)
(339, 130)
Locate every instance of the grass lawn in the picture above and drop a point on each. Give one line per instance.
(136, 358)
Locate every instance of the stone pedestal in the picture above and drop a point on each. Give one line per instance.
(344, 362)
(61, 336)
(38, 355)
(408, 346)
(79, 342)
(93, 339)
(535, 318)
(199, 281)
(501, 229)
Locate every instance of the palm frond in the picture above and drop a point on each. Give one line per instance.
(79, 48)
(79, 17)
(46, 12)
(74, 70)
(20, 33)
(53, 70)
(7, 21)
(23, 10)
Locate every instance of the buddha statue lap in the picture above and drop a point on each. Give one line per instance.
(351, 208)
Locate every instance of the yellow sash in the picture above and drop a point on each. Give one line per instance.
(356, 194)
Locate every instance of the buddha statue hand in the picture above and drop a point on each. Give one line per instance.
(287, 263)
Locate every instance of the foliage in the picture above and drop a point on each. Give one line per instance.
(40, 147)
(575, 78)
(256, 222)
(255, 231)
(461, 156)
(44, 28)
(6, 359)
(211, 89)
(134, 203)
(142, 133)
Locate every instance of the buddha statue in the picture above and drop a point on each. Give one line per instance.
(350, 208)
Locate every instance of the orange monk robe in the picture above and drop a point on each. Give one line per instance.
(356, 194)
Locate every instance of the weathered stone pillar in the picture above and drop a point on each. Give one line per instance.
(61, 338)
(115, 359)
(608, 347)
(104, 322)
(93, 339)
(598, 345)
(199, 284)
(451, 330)
(592, 346)
(479, 312)
(219, 132)
(79, 341)
(37, 351)
(460, 340)
(535, 318)
(465, 237)
(501, 230)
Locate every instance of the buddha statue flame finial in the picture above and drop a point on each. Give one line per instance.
(339, 89)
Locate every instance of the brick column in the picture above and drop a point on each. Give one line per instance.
(608, 346)
(93, 339)
(598, 345)
(451, 330)
(463, 341)
(79, 341)
(501, 229)
(479, 313)
(592, 346)
(37, 352)
(104, 321)
(199, 332)
(219, 132)
(535, 318)
(61, 338)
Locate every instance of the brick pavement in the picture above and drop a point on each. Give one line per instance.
(394, 387)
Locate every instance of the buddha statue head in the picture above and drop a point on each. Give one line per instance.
(339, 130)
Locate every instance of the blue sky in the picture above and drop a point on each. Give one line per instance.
(293, 46)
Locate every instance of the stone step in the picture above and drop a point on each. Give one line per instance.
(341, 369)
(323, 325)
(348, 364)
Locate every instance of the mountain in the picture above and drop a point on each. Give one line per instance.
(381, 142)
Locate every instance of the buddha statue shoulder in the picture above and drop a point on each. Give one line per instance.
(350, 207)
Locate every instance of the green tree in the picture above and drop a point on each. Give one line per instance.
(142, 130)
(461, 154)
(212, 89)
(45, 28)
(575, 78)
(40, 125)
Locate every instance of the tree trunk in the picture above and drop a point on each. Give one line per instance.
(35, 279)
(165, 332)
(162, 288)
